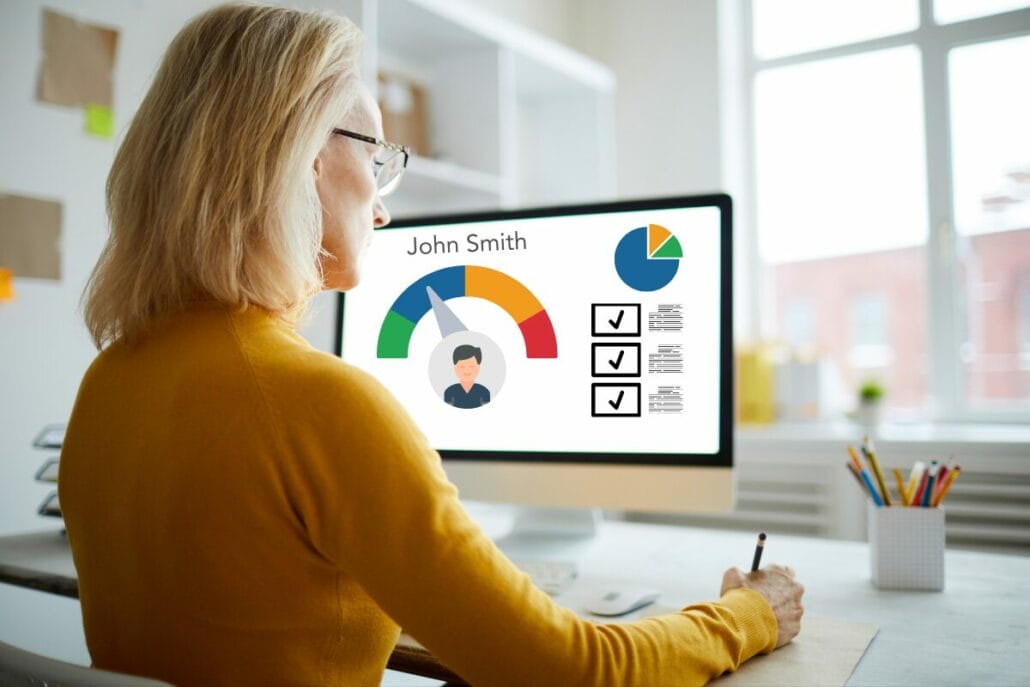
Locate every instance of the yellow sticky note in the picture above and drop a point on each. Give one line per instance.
(6, 285)
(99, 121)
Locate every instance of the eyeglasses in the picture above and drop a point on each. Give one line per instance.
(388, 167)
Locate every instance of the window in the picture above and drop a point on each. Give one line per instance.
(1024, 332)
(786, 27)
(800, 323)
(869, 326)
(889, 194)
(947, 11)
(990, 143)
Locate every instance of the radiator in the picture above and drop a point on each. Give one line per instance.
(989, 511)
(789, 499)
(805, 492)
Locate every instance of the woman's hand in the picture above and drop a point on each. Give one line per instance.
(777, 584)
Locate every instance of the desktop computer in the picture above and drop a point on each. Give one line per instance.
(576, 356)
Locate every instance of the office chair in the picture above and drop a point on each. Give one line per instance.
(20, 668)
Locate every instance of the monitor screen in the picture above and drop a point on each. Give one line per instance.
(580, 334)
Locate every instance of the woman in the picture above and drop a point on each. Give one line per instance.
(243, 509)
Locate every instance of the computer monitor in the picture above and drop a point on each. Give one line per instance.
(575, 356)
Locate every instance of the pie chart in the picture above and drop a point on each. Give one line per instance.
(647, 258)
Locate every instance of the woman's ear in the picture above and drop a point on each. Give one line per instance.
(318, 165)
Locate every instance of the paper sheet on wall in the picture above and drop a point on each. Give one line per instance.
(30, 236)
(78, 62)
(824, 654)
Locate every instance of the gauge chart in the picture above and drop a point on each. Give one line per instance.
(471, 281)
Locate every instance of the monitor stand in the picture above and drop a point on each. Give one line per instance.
(550, 533)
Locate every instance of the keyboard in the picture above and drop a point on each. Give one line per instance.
(550, 576)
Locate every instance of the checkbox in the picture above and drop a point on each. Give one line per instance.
(615, 319)
(614, 400)
(615, 360)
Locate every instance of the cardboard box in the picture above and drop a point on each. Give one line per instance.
(405, 114)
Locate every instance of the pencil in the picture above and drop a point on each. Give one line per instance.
(854, 458)
(901, 487)
(854, 473)
(913, 481)
(872, 489)
(867, 449)
(928, 492)
(758, 552)
(952, 476)
(917, 498)
(942, 475)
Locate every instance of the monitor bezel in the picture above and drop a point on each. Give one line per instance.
(723, 458)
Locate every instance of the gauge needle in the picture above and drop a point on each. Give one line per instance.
(445, 317)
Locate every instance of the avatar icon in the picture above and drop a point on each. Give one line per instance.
(466, 393)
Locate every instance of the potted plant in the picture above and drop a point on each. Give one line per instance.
(870, 403)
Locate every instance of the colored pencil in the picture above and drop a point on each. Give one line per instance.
(870, 455)
(930, 480)
(913, 481)
(872, 489)
(854, 458)
(901, 486)
(917, 498)
(952, 476)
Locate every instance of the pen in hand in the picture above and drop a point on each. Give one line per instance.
(758, 552)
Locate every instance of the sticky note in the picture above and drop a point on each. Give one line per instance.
(99, 121)
(6, 285)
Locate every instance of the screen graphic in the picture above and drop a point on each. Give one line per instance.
(472, 282)
(647, 258)
(584, 332)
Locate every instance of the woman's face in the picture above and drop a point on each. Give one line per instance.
(346, 185)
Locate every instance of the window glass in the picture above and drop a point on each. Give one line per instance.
(799, 324)
(840, 158)
(1024, 327)
(947, 11)
(870, 346)
(990, 111)
(842, 214)
(786, 27)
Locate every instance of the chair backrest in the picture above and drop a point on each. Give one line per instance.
(20, 668)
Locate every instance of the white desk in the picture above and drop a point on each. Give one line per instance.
(975, 632)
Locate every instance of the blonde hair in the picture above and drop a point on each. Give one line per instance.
(212, 194)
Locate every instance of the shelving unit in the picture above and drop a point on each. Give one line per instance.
(515, 119)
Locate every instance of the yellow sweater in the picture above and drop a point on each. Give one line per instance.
(246, 510)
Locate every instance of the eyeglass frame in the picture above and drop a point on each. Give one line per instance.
(395, 147)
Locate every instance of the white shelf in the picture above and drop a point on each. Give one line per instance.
(471, 20)
(515, 118)
(432, 187)
(430, 172)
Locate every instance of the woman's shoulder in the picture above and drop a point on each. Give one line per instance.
(285, 356)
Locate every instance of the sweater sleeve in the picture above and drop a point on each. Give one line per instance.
(375, 501)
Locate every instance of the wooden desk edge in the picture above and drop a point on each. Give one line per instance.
(43, 582)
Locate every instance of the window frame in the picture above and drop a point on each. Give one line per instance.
(945, 297)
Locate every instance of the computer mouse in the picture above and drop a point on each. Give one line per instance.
(614, 602)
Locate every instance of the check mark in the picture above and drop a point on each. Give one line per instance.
(618, 320)
(618, 401)
(618, 360)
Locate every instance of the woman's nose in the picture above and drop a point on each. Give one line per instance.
(380, 214)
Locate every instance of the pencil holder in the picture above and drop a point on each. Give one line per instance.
(906, 547)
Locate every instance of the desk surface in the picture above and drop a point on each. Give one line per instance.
(977, 631)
